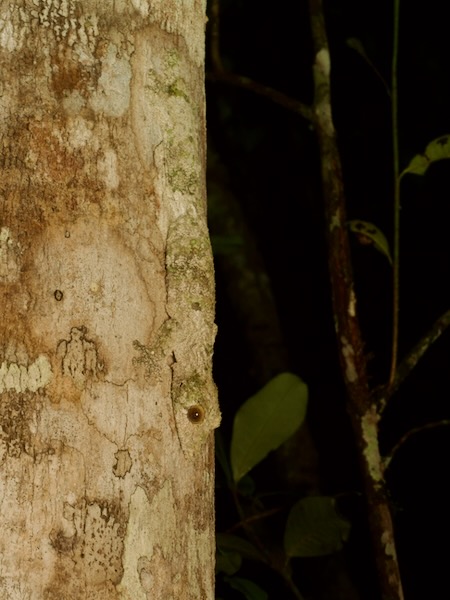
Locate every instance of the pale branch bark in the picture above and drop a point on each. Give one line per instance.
(362, 412)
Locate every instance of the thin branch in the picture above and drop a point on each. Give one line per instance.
(356, 45)
(246, 83)
(410, 434)
(413, 357)
(268, 557)
(219, 74)
(249, 520)
(382, 394)
(397, 179)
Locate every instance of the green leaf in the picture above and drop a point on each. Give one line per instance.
(229, 542)
(228, 562)
(438, 149)
(368, 233)
(315, 528)
(249, 589)
(266, 420)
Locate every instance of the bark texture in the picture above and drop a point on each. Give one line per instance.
(107, 403)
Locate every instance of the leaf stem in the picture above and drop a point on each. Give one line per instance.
(273, 562)
(397, 179)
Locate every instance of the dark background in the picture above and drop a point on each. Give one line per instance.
(272, 164)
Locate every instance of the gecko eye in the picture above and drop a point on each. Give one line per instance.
(195, 414)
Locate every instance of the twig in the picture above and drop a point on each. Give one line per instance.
(411, 433)
(397, 180)
(246, 83)
(269, 559)
(219, 74)
(356, 45)
(248, 520)
(382, 394)
(413, 357)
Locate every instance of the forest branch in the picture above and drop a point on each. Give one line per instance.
(262, 90)
(411, 433)
(219, 74)
(419, 350)
(363, 413)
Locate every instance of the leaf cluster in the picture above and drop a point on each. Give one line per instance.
(313, 527)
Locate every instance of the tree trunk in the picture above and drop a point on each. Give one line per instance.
(107, 404)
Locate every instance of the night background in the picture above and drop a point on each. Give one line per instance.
(274, 308)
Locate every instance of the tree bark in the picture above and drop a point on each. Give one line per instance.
(107, 403)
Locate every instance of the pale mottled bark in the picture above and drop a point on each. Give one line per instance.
(107, 405)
